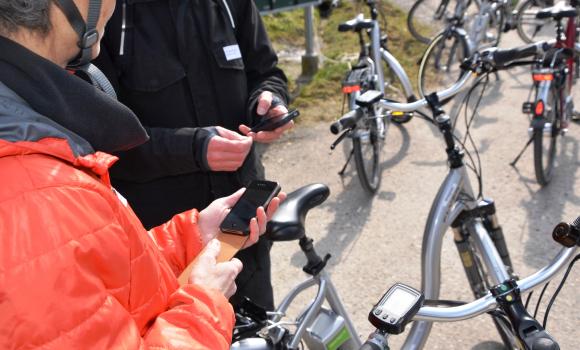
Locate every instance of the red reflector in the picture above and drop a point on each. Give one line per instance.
(350, 89)
(543, 76)
(539, 110)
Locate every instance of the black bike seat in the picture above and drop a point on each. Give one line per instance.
(557, 12)
(355, 25)
(288, 222)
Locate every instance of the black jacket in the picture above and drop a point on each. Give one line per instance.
(178, 67)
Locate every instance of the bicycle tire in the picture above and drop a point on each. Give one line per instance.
(528, 26)
(497, 20)
(421, 12)
(439, 67)
(367, 145)
(545, 144)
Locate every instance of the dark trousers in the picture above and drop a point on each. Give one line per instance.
(254, 281)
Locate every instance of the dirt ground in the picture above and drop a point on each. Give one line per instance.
(376, 241)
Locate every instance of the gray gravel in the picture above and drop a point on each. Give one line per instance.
(376, 241)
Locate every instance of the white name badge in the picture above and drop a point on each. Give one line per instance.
(232, 52)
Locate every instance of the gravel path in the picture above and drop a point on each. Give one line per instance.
(376, 241)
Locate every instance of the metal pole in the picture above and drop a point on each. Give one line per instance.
(310, 58)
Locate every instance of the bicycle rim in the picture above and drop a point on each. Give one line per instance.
(545, 141)
(439, 68)
(427, 17)
(367, 144)
(531, 29)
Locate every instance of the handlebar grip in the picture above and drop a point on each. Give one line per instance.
(545, 343)
(346, 121)
(503, 56)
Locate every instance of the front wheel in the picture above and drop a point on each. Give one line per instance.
(367, 144)
(531, 29)
(440, 65)
(545, 139)
(427, 17)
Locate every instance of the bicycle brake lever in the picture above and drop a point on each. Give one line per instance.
(340, 138)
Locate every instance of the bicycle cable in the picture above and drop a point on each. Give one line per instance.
(540, 299)
(528, 300)
(476, 168)
(553, 299)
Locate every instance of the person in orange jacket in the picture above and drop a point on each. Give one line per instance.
(77, 268)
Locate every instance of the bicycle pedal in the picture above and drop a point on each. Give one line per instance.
(527, 107)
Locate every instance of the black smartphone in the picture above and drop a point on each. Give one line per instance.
(258, 194)
(269, 124)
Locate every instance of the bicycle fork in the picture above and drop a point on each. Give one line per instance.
(485, 211)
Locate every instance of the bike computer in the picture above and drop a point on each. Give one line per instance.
(396, 308)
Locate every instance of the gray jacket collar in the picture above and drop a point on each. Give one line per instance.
(19, 122)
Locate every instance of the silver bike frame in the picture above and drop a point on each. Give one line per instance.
(454, 196)
(379, 53)
(326, 291)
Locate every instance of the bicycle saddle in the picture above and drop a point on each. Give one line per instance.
(557, 12)
(288, 222)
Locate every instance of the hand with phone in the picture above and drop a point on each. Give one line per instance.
(212, 217)
(267, 111)
(217, 218)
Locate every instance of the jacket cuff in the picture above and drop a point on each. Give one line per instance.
(201, 144)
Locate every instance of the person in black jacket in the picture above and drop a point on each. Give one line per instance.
(197, 74)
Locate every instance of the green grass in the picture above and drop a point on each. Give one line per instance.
(322, 98)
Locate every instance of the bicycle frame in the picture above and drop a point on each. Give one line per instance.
(455, 196)
(326, 291)
(379, 53)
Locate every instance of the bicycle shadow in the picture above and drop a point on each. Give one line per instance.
(351, 208)
(545, 206)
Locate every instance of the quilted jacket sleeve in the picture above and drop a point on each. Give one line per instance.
(179, 240)
(74, 275)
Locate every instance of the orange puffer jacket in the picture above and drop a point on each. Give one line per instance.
(79, 271)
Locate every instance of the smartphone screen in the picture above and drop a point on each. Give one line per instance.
(258, 193)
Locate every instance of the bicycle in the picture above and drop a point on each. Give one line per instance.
(439, 65)
(376, 69)
(317, 326)
(477, 233)
(478, 238)
(529, 27)
(427, 18)
(554, 75)
(402, 304)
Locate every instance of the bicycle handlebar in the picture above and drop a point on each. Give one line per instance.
(488, 302)
(347, 121)
(503, 56)
(486, 61)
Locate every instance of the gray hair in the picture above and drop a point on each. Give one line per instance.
(30, 14)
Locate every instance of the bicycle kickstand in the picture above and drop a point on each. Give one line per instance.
(341, 172)
(513, 163)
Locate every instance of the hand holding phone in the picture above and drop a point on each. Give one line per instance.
(273, 123)
(258, 194)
